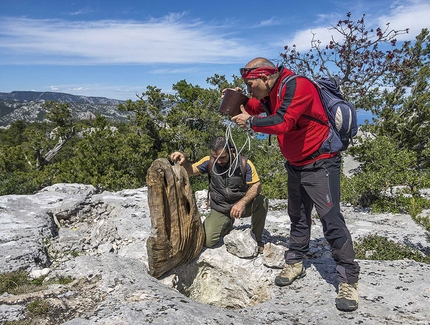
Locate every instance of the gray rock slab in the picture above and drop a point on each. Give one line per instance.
(112, 286)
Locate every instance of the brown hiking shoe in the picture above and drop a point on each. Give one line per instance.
(260, 245)
(347, 297)
(289, 273)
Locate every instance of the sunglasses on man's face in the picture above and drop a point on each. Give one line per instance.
(245, 70)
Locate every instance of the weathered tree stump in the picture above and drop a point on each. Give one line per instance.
(177, 232)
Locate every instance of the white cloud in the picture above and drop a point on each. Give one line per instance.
(176, 39)
(269, 22)
(173, 71)
(82, 12)
(411, 14)
(167, 40)
(303, 38)
(79, 89)
(100, 90)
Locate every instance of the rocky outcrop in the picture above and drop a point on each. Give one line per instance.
(100, 240)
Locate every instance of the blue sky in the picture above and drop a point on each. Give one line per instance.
(116, 49)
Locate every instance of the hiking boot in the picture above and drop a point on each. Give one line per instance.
(289, 273)
(260, 245)
(347, 297)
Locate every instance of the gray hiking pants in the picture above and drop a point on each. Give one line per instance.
(318, 184)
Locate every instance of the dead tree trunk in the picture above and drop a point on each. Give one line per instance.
(46, 159)
(177, 232)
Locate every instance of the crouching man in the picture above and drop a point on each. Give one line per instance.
(234, 191)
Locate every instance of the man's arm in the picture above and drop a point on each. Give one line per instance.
(180, 158)
(251, 194)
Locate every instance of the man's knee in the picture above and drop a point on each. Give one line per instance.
(261, 202)
(214, 231)
(210, 238)
(209, 243)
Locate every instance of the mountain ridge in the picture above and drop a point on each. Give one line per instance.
(28, 106)
(29, 95)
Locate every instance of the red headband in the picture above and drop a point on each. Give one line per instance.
(255, 73)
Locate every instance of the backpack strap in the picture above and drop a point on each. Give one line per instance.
(210, 165)
(244, 160)
(287, 79)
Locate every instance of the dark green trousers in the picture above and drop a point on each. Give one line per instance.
(217, 224)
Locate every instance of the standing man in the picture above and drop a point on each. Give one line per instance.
(234, 190)
(298, 119)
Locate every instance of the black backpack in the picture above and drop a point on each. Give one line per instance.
(341, 114)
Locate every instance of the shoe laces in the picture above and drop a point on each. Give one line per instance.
(346, 290)
(290, 269)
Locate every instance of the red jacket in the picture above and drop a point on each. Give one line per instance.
(298, 136)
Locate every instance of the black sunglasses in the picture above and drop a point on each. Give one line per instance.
(244, 70)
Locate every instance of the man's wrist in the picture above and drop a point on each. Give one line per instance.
(249, 122)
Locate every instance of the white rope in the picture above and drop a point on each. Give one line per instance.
(234, 161)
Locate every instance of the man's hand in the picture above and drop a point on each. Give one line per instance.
(238, 89)
(178, 157)
(237, 210)
(241, 118)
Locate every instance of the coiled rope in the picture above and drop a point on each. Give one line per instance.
(234, 161)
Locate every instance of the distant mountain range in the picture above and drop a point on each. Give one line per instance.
(28, 96)
(28, 106)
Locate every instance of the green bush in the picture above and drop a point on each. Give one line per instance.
(374, 247)
(11, 282)
(19, 282)
(38, 307)
(388, 179)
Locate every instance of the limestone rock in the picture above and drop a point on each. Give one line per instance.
(177, 232)
(101, 244)
(241, 243)
(274, 256)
